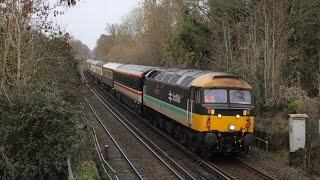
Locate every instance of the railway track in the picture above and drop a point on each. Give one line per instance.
(204, 168)
(257, 171)
(121, 151)
(137, 158)
(200, 168)
(107, 170)
(241, 170)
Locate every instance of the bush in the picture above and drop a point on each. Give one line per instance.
(293, 107)
(87, 171)
(36, 137)
(315, 159)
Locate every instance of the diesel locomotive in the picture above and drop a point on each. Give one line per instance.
(210, 112)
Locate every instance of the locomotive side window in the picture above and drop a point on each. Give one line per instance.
(197, 95)
(240, 97)
(215, 96)
(153, 74)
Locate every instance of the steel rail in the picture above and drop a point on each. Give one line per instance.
(221, 173)
(101, 161)
(114, 141)
(262, 174)
(99, 152)
(117, 114)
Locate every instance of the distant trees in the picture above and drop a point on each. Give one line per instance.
(272, 44)
(82, 52)
(103, 47)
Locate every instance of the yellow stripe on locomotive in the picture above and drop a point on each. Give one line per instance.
(203, 123)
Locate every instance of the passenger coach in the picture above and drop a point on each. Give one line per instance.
(108, 75)
(95, 67)
(128, 83)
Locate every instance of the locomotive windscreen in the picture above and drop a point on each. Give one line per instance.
(240, 97)
(223, 96)
(215, 96)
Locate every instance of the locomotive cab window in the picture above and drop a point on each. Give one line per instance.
(215, 96)
(240, 97)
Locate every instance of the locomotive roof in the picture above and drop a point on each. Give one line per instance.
(198, 78)
(111, 66)
(132, 69)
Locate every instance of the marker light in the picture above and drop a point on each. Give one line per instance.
(208, 123)
(219, 115)
(232, 127)
(211, 111)
(248, 124)
(247, 112)
(237, 116)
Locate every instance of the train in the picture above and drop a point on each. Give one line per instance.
(209, 112)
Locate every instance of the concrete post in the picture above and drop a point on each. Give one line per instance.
(106, 151)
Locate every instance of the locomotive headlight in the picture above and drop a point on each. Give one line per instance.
(237, 116)
(219, 115)
(232, 127)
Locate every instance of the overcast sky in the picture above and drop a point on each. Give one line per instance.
(88, 19)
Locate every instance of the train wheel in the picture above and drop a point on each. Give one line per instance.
(177, 132)
(155, 122)
(140, 110)
(184, 138)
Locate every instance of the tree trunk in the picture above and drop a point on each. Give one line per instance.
(273, 56)
(225, 43)
(18, 53)
(265, 52)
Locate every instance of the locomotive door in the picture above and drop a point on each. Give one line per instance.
(190, 108)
